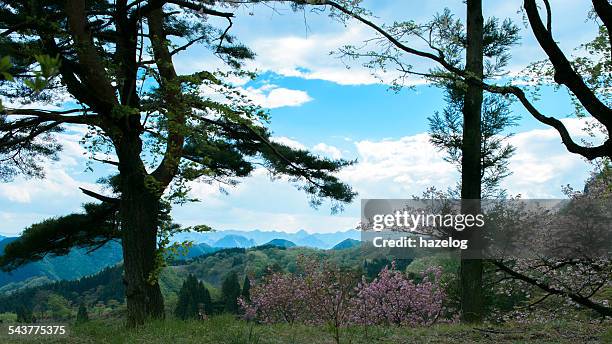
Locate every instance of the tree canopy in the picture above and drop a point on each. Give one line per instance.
(109, 66)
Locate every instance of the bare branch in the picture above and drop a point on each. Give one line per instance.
(99, 197)
(186, 45)
(104, 161)
(201, 9)
(587, 152)
(93, 69)
(564, 73)
(548, 16)
(176, 110)
(55, 116)
(229, 26)
(584, 301)
(603, 8)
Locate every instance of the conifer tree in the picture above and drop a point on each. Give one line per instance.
(82, 315)
(24, 315)
(158, 129)
(246, 288)
(192, 294)
(230, 291)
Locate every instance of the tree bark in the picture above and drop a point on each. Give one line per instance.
(139, 210)
(471, 175)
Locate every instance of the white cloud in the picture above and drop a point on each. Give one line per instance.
(309, 57)
(398, 168)
(326, 149)
(288, 52)
(282, 46)
(289, 142)
(542, 163)
(271, 96)
(26, 201)
(389, 168)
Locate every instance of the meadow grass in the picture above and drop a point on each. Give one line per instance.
(227, 330)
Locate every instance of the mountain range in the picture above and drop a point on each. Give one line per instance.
(260, 237)
(233, 240)
(79, 262)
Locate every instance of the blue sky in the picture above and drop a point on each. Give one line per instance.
(317, 103)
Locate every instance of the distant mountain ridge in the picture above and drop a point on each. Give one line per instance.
(196, 250)
(260, 237)
(347, 243)
(280, 243)
(231, 240)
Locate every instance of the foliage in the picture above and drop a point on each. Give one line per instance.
(327, 295)
(59, 307)
(82, 315)
(246, 289)
(104, 286)
(446, 134)
(193, 293)
(372, 267)
(57, 236)
(24, 315)
(392, 298)
(446, 128)
(24, 160)
(230, 292)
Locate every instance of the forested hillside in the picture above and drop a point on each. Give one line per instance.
(106, 286)
(76, 264)
(81, 262)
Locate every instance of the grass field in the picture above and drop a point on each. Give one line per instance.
(225, 329)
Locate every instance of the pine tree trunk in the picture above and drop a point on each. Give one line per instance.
(139, 212)
(471, 269)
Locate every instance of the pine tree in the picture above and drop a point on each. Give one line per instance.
(159, 137)
(230, 290)
(82, 315)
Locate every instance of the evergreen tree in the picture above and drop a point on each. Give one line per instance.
(192, 294)
(24, 315)
(586, 78)
(465, 54)
(446, 130)
(230, 291)
(203, 297)
(246, 288)
(82, 315)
